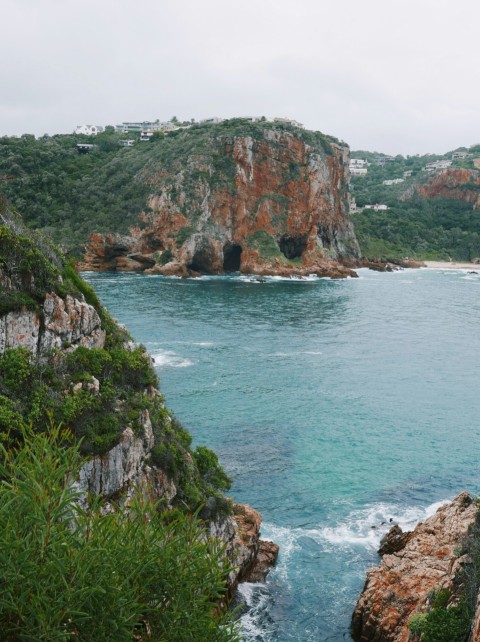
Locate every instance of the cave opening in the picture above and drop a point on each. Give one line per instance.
(202, 262)
(231, 258)
(293, 247)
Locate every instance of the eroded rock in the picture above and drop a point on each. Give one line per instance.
(399, 587)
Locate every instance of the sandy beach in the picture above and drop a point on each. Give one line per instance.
(452, 265)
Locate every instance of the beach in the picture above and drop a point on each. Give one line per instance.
(451, 265)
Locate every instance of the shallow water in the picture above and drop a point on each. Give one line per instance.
(336, 406)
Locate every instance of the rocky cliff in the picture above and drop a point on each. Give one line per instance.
(459, 184)
(257, 199)
(415, 567)
(62, 358)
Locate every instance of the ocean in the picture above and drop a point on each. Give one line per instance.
(338, 407)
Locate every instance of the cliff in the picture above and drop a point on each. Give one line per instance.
(64, 360)
(458, 184)
(254, 198)
(416, 567)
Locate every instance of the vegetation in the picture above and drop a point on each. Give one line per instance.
(73, 574)
(449, 617)
(437, 228)
(94, 392)
(68, 195)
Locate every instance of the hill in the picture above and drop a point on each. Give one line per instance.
(432, 213)
(260, 196)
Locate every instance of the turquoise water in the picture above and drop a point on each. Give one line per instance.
(335, 406)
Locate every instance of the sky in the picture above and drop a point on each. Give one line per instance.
(382, 75)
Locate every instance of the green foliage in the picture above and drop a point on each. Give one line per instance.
(16, 369)
(68, 574)
(68, 195)
(417, 623)
(437, 228)
(265, 244)
(210, 469)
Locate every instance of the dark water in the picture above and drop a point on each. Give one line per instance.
(335, 406)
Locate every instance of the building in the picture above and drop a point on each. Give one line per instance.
(358, 171)
(212, 121)
(358, 162)
(437, 165)
(393, 181)
(130, 142)
(460, 155)
(407, 173)
(146, 135)
(381, 160)
(289, 121)
(89, 130)
(378, 207)
(84, 148)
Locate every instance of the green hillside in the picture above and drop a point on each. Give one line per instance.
(425, 228)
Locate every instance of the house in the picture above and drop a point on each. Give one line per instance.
(84, 148)
(358, 171)
(127, 142)
(460, 155)
(381, 160)
(393, 181)
(407, 173)
(211, 121)
(438, 164)
(378, 207)
(146, 135)
(289, 121)
(358, 162)
(89, 130)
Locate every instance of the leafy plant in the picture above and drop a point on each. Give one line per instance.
(68, 573)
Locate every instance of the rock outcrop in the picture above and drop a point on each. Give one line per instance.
(59, 323)
(37, 314)
(422, 561)
(271, 202)
(459, 184)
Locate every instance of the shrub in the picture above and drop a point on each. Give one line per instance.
(102, 578)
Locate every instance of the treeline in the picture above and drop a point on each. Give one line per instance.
(437, 228)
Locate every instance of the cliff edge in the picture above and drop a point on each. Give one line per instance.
(420, 571)
(64, 360)
(246, 197)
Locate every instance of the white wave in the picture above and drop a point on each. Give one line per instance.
(295, 354)
(256, 599)
(368, 525)
(203, 344)
(170, 359)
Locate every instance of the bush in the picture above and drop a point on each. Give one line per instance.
(102, 578)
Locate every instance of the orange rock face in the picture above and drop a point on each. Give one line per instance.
(460, 184)
(400, 586)
(264, 204)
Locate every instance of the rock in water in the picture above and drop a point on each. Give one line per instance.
(399, 587)
(260, 200)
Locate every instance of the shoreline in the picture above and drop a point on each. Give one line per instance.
(451, 265)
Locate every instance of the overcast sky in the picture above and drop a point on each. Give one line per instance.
(384, 75)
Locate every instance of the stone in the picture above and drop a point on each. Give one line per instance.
(395, 540)
(400, 586)
(288, 200)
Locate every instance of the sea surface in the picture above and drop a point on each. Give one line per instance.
(336, 406)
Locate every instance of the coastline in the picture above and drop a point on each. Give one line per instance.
(451, 265)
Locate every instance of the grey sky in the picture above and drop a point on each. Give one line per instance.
(384, 75)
